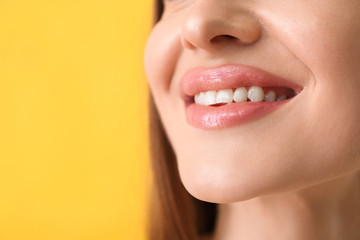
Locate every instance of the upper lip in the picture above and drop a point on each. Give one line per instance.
(230, 76)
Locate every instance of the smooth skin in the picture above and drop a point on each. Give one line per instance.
(294, 173)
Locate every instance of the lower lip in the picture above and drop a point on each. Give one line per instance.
(208, 117)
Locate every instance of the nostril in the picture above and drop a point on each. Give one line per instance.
(222, 37)
(229, 37)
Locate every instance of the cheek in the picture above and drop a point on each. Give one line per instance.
(325, 39)
(323, 36)
(162, 51)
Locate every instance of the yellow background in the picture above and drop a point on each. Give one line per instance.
(73, 158)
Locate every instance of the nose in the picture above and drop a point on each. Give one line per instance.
(212, 23)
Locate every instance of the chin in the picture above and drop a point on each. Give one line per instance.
(223, 193)
(218, 185)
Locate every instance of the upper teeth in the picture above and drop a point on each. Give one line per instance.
(254, 94)
(270, 96)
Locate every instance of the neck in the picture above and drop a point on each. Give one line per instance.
(326, 211)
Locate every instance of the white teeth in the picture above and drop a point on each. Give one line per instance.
(210, 97)
(270, 96)
(281, 98)
(224, 96)
(200, 98)
(256, 94)
(240, 95)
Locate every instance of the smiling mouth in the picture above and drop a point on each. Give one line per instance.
(232, 94)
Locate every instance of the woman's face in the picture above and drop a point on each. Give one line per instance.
(308, 51)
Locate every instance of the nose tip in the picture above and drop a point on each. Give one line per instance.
(207, 28)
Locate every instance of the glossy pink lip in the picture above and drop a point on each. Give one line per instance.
(226, 77)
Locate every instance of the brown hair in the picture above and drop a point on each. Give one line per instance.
(174, 214)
